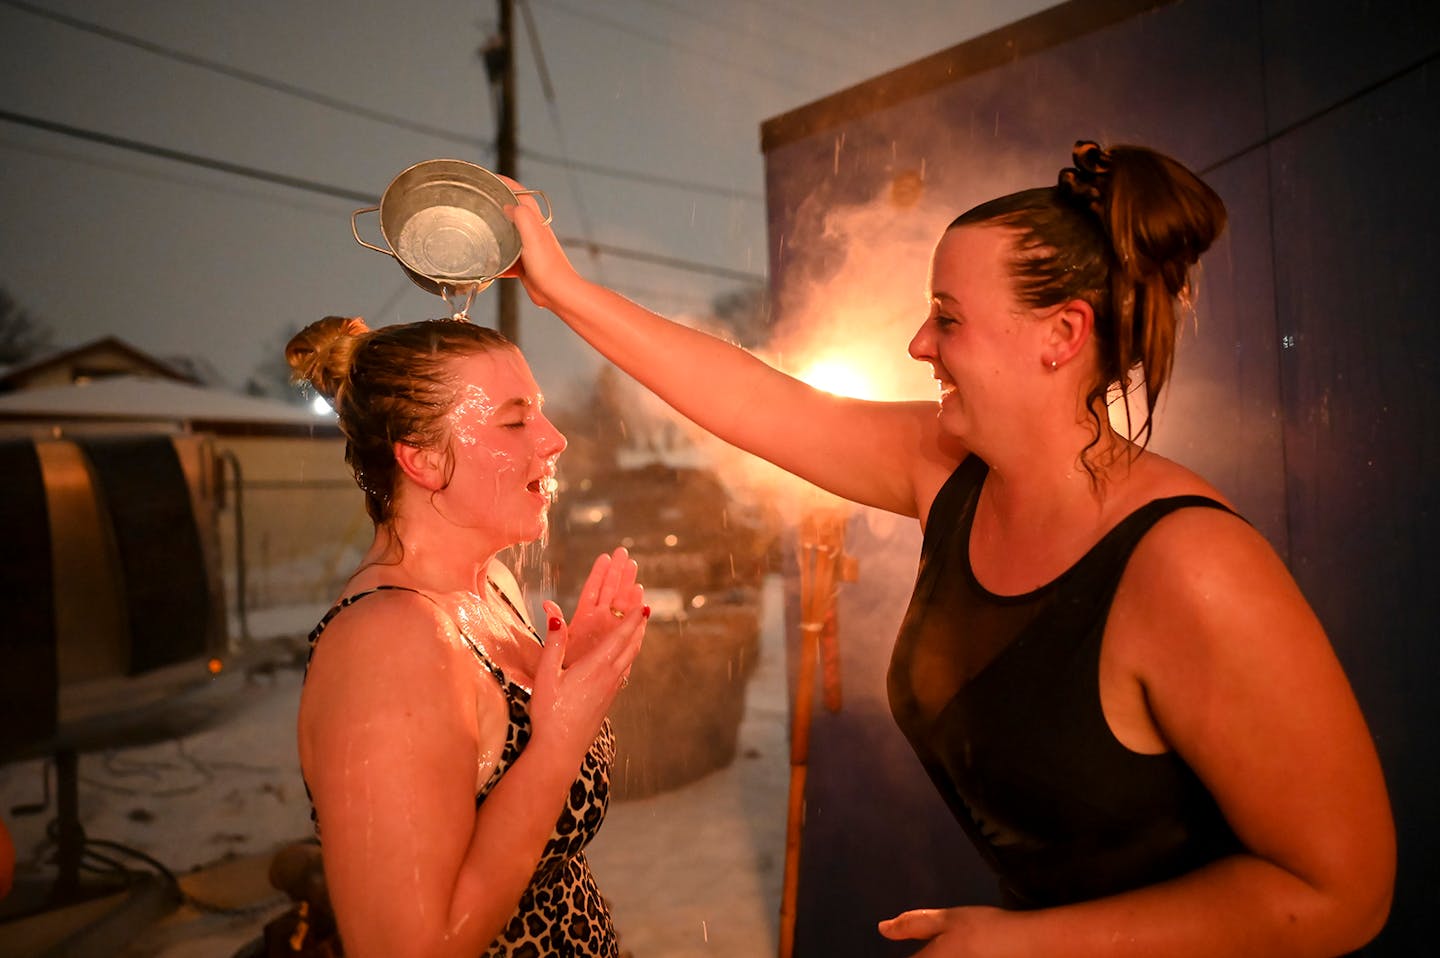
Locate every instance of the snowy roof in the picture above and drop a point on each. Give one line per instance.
(138, 398)
(105, 344)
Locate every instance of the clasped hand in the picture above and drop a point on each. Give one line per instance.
(585, 662)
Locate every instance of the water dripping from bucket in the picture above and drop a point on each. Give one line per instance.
(460, 313)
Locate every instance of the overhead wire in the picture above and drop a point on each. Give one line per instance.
(649, 179)
(339, 192)
(730, 26)
(247, 76)
(788, 83)
(181, 156)
(791, 12)
(548, 90)
(124, 166)
(659, 259)
(345, 106)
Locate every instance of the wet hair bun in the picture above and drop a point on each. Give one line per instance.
(1158, 215)
(320, 353)
(1161, 216)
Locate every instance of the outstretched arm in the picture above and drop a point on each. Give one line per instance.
(885, 454)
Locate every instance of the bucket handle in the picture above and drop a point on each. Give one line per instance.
(549, 210)
(355, 230)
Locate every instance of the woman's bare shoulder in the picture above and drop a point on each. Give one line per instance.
(384, 652)
(1152, 476)
(380, 624)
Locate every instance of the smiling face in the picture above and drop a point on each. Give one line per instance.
(501, 450)
(981, 344)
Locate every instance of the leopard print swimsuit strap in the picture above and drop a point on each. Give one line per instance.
(484, 658)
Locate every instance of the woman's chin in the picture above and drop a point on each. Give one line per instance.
(951, 417)
(537, 529)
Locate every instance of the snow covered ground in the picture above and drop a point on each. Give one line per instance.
(694, 871)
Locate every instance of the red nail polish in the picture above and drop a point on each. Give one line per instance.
(555, 623)
(645, 612)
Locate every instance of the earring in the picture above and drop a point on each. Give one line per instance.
(1054, 365)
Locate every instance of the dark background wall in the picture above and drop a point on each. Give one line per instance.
(1306, 390)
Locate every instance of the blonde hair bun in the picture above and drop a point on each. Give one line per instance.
(320, 353)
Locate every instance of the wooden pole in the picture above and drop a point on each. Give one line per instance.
(822, 558)
(799, 766)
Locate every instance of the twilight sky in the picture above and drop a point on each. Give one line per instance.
(657, 106)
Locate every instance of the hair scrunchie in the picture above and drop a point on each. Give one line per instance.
(1087, 183)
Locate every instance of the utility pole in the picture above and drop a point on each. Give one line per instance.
(499, 56)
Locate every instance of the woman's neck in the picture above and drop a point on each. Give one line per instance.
(409, 557)
(1057, 473)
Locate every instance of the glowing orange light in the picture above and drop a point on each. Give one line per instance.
(838, 376)
(215, 666)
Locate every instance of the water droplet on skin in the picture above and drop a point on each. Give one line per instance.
(473, 408)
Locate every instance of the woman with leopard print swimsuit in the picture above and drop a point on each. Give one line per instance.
(457, 763)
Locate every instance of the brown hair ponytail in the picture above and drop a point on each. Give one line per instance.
(1160, 217)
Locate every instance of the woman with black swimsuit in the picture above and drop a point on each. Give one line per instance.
(1111, 677)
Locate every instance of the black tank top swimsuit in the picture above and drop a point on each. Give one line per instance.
(999, 696)
(562, 911)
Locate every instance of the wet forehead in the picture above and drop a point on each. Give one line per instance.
(492, 382)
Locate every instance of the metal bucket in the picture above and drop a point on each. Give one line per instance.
(444, 223)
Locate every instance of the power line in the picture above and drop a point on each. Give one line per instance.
(300, 92)
(791, 13)
(658, 259)
(668, 43)
(340, 192)
(651, 179)
(553, 108)
(180, 156)
(124, 166)
(729, 26)
(345, 106)
(279, 86)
